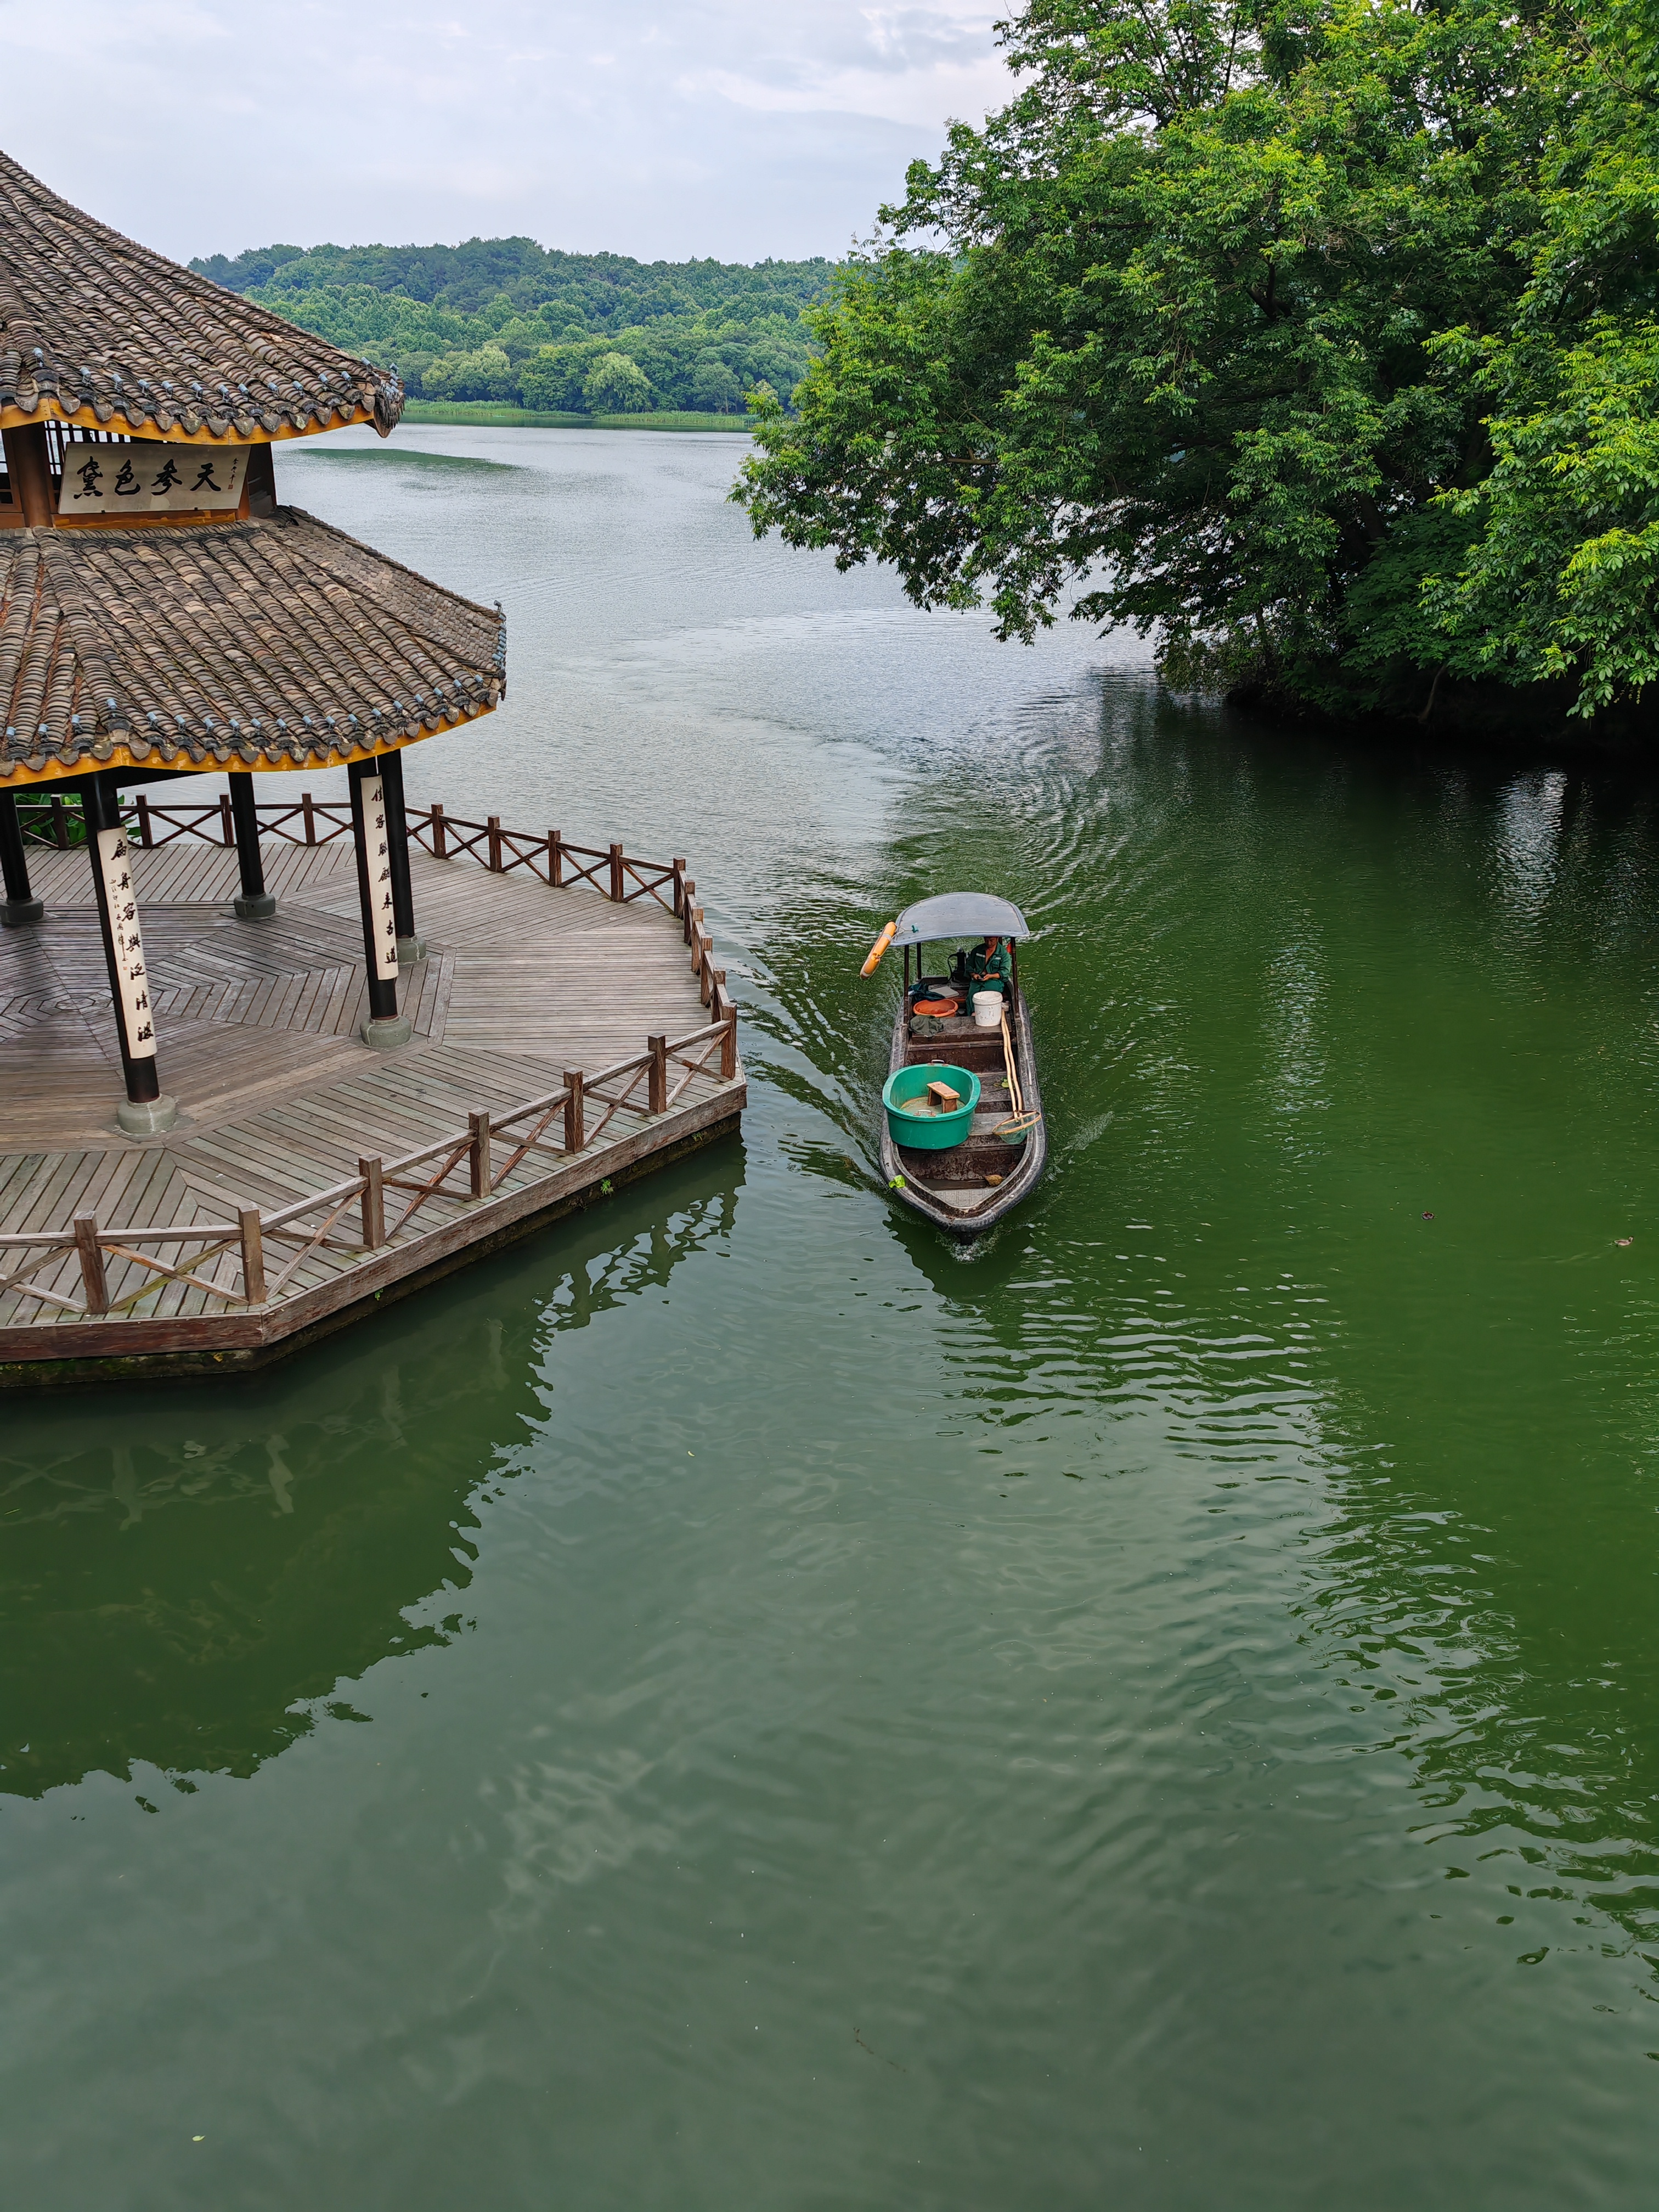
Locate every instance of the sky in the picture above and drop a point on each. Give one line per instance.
(735, 128)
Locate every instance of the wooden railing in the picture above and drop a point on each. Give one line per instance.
(552, 858)
(308, 821)
(53, 820)
(320, 820)
(236, 1251)
(58, 821)
(617, 875)
(262, 1254)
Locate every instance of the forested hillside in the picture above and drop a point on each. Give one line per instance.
(504, 318)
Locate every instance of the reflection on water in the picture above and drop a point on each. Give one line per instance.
(1156, 1707)
(1241, 935)
(192, 1598)
(1527, 839)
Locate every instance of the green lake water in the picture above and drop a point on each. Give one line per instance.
(739, 1703)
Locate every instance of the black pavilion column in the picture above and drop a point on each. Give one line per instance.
(410, 947)
(256, 903)
(28, 464)
(146, 1110)
(20, 906)
(385, 1026)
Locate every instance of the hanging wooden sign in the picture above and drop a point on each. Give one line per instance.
(151, 475)
(380, 879)
(121, 905)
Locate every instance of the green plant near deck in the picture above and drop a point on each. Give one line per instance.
(43, 823)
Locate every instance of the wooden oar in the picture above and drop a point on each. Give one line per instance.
(1018, 1103)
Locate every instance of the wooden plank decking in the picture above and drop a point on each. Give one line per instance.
(256, 1026)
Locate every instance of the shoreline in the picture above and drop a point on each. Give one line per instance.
(488, 414)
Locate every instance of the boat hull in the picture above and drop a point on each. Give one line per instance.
(950, 1188)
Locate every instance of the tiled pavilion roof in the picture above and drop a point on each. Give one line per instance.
(97, 330)
(274, 643)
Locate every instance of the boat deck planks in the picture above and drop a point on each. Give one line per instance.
(279, 1098)
(951, 1188)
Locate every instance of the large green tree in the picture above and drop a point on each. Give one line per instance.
(1267, 328)
(616, 385)
(1561, 580)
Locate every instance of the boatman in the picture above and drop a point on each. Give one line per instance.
(987, 967)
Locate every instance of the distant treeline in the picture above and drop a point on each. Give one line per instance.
(506, 320)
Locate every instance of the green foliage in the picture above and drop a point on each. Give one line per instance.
(554, 376)
(702, 333)
(1315, 338)
(1563, 577)
(715, 387)
(484, 373)
(616, 385)
(487, 413)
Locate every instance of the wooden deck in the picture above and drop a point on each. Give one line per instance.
(289, 1118)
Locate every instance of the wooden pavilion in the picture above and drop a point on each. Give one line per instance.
(163, 616)
(160, 616)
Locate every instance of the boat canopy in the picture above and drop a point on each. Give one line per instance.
(959, 913)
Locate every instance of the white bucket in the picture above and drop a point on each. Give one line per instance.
(988, 1010)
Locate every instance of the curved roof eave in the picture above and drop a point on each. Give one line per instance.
(97, 330)
(208, 430)
(272, 643)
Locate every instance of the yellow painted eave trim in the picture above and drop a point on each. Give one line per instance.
(84, 418)
(20, 777)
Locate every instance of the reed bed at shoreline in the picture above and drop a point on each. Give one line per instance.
(494, 415)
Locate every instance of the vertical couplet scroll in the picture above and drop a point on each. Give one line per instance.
(410, 947)
(147, 1110)
(385, 1026)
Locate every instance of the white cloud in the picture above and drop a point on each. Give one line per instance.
(729, 128)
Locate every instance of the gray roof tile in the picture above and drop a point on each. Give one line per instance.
(92, 326)
(279, 643)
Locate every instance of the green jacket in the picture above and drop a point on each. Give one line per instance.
(980, 970)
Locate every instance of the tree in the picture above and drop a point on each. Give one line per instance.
(1562, 576)
(485, 373)
(553, 377)
(616, 385)
(1211, 343)
(715, 389)
(673, 321)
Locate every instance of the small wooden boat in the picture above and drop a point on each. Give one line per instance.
(965, 1186)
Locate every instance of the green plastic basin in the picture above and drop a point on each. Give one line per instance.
(924, 1132)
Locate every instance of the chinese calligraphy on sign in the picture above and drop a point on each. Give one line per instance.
(380, 879)
(150, 475)
(115, 864)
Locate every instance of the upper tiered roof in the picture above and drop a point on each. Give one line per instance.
(96, 330)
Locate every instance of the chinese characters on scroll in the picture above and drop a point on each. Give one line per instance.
(380, 879)
(115, 864)
(151, 475)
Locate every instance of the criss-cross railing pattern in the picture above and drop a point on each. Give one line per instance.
(307, 821)
(551, 857)
(617, 875)
(233, 1262)
(226, 1262)
(58, 821)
